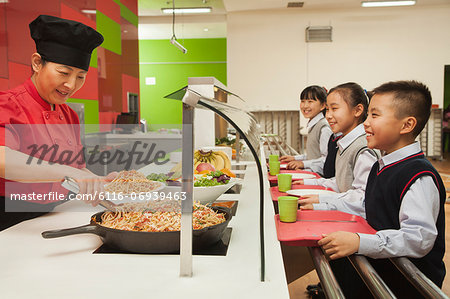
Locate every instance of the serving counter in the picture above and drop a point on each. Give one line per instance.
(33, 267)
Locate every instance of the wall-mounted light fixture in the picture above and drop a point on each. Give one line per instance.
(387, 3)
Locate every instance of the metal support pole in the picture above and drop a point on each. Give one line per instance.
(422, 283)
(237, 146)
(188, 188)
(370, 277)
(329, 283)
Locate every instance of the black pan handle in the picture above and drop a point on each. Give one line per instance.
(85, 229)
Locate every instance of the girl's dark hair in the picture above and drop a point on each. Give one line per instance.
(353, 94)
(314, 92)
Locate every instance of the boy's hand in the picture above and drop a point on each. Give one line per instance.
(306, 201)
(339, 244)
(295, 165)
(285, 159)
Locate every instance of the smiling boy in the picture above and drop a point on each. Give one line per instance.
(404, 198)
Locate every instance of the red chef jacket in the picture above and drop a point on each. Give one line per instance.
(28, 125)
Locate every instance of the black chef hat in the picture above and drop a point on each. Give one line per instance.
(64, 41)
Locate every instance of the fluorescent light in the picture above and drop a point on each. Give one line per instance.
(387, 3)
(187, 10)
(89, 11)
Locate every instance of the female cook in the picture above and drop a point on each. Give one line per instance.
(40, 134)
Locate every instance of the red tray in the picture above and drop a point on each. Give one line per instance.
(273, 178)
(307, 233)
(275, 193)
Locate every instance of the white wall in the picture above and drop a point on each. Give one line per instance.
(269, 62)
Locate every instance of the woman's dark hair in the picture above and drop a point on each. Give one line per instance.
(314, 92)
(353, 94)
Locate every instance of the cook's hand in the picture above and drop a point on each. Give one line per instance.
(285, 159)
(306, 201)
(339, 244)
(92, 186)
(295, 165)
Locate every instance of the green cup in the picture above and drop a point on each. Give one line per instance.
(274, 168)
(287, 208)
(284, 182)
(273, 158)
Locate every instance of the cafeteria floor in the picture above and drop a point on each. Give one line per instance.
(297, 287)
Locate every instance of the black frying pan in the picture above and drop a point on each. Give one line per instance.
(146, 242)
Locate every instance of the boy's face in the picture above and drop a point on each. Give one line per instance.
(382, 126)
(311, 107)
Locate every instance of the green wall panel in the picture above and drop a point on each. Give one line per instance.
(111, 32)
(90, 114)
(171, 72)
(214, 49)
(128, 15)
(93, 61)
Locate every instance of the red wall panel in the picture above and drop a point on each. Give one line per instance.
(89, 91)
(109, 8)
(71, 14)
(18, 73)
(110, 81)
(131, 5)
(129, 84)
(18, 15)
(3, 43)
(4, 84)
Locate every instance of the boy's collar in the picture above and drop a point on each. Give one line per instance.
(400, 154)
(345, 141)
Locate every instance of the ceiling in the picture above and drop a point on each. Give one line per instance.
(153, 24)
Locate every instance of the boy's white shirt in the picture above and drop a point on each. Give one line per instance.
(417, 217)
(361, 171)
(316, 165)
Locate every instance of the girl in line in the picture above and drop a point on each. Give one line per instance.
(346, 111)
(312, 105)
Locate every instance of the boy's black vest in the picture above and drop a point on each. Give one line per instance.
(384, 194)
(329, 168)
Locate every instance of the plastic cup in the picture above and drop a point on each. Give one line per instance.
(274, 168)
(287, 208)
(284, 182)
(273, 158)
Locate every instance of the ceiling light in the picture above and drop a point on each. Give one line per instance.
(187, 10)
(387, 3)
(89, 11)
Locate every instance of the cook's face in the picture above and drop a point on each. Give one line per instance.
(339, 114)
(57, 82)
(311, 107)
(382, 126)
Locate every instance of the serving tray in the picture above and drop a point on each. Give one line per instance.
(307, 174)
(310, 226)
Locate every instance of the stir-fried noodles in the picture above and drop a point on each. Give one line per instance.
(128, 182)
(160, 221)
